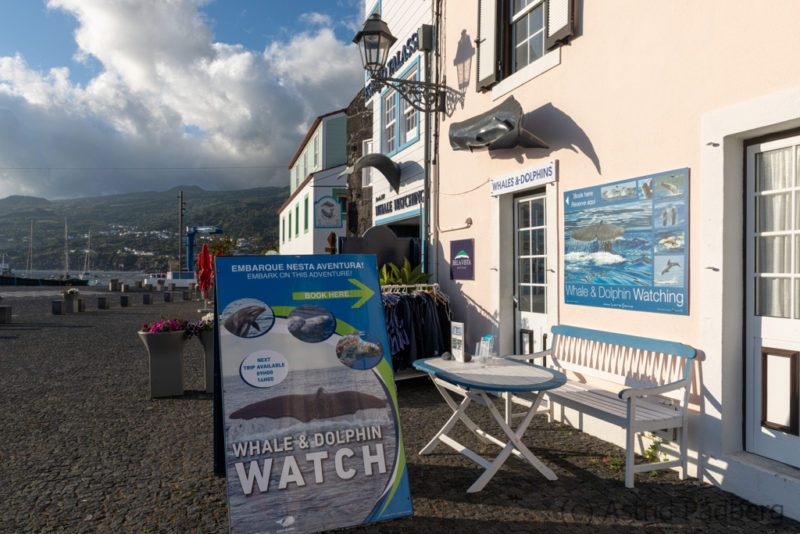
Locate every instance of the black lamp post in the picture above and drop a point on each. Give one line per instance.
(374, 41)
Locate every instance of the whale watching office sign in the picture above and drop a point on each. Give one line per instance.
(626, 244)
(312, 433)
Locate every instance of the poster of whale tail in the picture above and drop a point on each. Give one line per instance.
(626, 244)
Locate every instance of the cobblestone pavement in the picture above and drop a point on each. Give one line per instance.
(83, 449)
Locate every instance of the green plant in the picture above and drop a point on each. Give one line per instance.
(390, 274)
(651, 454)
(615, 463)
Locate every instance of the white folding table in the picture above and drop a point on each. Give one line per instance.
(473, 381)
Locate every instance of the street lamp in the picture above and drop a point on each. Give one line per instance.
(374, 41)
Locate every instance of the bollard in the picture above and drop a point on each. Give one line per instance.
(102, 303)
(124, 301)
(5, 314)
(147, 298)
(58, 307)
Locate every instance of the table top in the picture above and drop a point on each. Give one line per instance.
(499, 374)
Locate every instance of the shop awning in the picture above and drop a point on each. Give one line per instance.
(388, 167)
(500, 127)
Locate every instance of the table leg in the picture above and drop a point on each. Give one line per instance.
(513, 446)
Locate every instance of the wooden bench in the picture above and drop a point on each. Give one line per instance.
(656, 377)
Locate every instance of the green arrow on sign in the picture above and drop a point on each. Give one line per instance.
(363, 294)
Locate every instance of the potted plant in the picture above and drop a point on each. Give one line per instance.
(71, 299)
(164, 340)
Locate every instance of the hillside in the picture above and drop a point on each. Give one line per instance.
(135, 231)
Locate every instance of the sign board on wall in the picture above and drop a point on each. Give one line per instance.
(462, 259)
(525, 178)
(312, 432)
(626, 244)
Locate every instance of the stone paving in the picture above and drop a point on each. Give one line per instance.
(83, 449)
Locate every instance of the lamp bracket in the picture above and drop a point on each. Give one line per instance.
(422, 96)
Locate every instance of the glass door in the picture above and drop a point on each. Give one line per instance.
(772, 312)
(531, 276)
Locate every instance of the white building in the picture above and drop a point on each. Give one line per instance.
(398, 128)
(316, 205)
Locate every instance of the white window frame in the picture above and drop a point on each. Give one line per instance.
(389, 122)
(407, 117)
(516, 19)
(559, 26)
(366, 172)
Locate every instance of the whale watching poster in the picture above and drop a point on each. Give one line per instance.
(312, 428)
(626, 244)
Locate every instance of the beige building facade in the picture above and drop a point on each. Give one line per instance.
(628, 93)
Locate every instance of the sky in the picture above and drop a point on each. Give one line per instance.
(101, 97)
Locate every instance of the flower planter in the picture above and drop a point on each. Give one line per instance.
(206, 337)
(71, 302)
(165, 351)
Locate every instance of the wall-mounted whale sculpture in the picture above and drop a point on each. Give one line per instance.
(386, 165)
(500, 127)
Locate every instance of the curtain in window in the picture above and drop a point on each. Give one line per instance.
(775, 177)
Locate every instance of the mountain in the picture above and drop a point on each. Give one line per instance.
(134, 231)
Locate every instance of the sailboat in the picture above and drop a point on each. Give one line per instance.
(10, 279)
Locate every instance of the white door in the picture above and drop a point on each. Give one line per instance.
(534, 277)
(772, 311)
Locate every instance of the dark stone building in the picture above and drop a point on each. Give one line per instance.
(359, 198)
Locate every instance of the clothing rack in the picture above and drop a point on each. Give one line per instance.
(410, 288)
(417, 322)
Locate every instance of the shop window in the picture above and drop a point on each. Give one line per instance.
(514, 35)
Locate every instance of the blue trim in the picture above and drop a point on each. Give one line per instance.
(399, 217)
(409, 141)
(636, 342)
(558, 378)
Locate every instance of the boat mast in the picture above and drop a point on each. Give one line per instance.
(88, 251)
(29, 263)
(66, 251)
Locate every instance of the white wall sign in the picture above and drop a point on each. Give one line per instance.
(525, 178)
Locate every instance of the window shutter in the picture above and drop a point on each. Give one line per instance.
(560, 22)
(487, 44)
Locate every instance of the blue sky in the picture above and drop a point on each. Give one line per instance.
(101, 97)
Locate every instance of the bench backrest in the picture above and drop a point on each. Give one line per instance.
(632, 361)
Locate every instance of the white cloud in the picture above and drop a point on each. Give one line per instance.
(167, 97)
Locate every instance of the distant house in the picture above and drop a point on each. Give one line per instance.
(317, 204)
